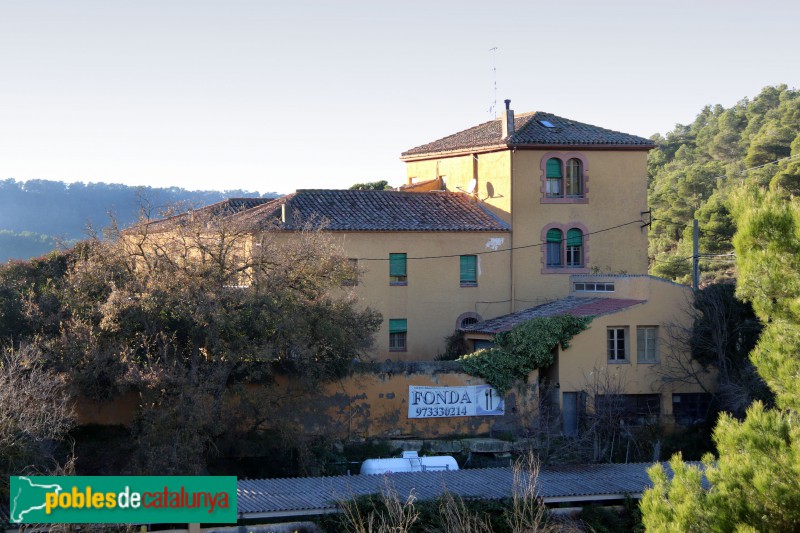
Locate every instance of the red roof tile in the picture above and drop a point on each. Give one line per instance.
(571, 305)
(529, 131)
(348, 210)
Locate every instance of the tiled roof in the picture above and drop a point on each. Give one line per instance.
(571, 305)
(224, 208)
(346, 210)
(529, 131)
(568, 483)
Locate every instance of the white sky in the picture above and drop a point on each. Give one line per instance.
(276, 96)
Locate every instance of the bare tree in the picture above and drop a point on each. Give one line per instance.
(528, 512)
(397, 515)
(611, 425)
(36, 413)
(710, 349)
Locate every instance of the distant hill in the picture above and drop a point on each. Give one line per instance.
(35, 215)
(696, 166)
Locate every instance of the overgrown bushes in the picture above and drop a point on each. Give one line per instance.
(522, 350)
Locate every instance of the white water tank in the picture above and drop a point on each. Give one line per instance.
(410, 462)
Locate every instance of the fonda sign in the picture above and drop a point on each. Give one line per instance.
(440, 402)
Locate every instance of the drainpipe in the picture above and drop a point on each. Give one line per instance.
(513, 295)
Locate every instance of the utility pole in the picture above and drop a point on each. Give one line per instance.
(695, 255)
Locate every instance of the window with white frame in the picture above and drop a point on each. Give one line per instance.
(647, 344)
(574, 248)
(593, 287)
(555, 178)
(564, 249)
(564, 178)
(617, 344)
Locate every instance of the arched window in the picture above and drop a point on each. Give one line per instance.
(554, 179)
(564, 178)
(554, 240)
(574, 247)
(574, 178)
(565, 248)
(468, 321)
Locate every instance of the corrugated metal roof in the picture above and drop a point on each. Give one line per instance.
(529, 131)
(262, 497)
(571, 305)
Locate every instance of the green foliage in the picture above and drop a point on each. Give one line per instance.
(182, 317)
(600, 519)
(523, 349)
(679, 504)
(693, 169)
(754, 481)
(381, 185)
(454, 347)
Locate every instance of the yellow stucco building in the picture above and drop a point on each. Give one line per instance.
(523, 216)
(492, 220)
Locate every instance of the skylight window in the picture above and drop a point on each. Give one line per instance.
(546, 124)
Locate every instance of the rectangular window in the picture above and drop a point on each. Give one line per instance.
(647, 344)
(691, 408)
(397, 269)
(351, 278)
(594, 287)
(469, 270)
(574, 248)
(617, 345)
(553, 187)
(574, 256)
(398, 329)
(633, 409)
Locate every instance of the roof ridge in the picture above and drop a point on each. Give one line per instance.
(531, 132)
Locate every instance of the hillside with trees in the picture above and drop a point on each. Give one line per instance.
(696, 167)
(37, 215)
(753, 473)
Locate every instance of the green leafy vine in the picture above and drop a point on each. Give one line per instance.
(522, 350)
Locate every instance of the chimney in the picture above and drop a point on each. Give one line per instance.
(508, 121)
(285, 213)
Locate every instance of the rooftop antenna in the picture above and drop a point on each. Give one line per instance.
(493, 107)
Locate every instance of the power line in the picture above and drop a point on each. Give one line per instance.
(791, 157)
(682, 224)
(535, 245)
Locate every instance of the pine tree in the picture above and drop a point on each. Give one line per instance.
(755, 480)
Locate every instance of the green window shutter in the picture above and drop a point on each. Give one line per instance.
(554, 168)
(469, 269)
(574, 237)
(397, 264)
(398, 325)
(554, 235)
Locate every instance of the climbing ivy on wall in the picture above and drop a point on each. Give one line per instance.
(523, 349)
